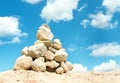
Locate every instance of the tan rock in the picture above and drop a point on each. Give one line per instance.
(65, 67)
(46, 43)
(52, 50)
(25, 51)
(60, 55)
(38, 65)
(57, 44)
(59, 70)
(23, 63)
(37, 50)
(49, 55)
(52, 64)
(44, 33)
(69, 64)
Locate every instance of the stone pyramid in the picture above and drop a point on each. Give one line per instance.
(45, 55)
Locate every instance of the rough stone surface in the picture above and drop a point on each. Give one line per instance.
(49, 55)
(46, 43)
(44, 34)
(57, 44)
(65, 67)
(52, 50)
(45, 55)
(37, 51)
(38, 65)
(25, 51)
(59, 70)
(69, 64)
(61, 55)
(23, 63)
(52, 64)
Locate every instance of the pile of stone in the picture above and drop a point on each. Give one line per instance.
(44, 55)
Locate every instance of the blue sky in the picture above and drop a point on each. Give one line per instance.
(88, 29)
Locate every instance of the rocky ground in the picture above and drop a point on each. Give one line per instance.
(69, 77)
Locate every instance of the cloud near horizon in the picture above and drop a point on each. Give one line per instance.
(79, 68)
(107, 66)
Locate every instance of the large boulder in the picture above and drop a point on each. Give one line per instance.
(37, 50)
(49, 55)
(64, 66)
(59, 70)
(69, 64)
(52, 64)
(60, 55)
(23, 63)
(46, 43)
(57, 44)
(52, 50)
(44, 33)
(38, 65)
(25, 51)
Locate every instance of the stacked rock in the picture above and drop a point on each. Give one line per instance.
(44, 55)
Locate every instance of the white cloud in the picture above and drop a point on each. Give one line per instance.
(32, 1)
(106, 49)
(79, 68)
(9, 28)
(82, 7)
(112, 6)
(107, 66)
(72, 47)
(102, 21)
(85, 23)
(14, 40)
(57, 10)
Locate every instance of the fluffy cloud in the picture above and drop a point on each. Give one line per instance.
(79, 67)
(9, 28)
(32, 1)
(106, 49)
(57, 10)
(85, 22)
(104, 20)
(107, 66)
(112, 6)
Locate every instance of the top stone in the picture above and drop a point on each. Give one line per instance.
(44, 33)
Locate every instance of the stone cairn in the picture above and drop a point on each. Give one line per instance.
(44, 55)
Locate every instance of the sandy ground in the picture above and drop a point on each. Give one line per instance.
(70, 77)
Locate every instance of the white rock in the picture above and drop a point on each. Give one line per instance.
(52, 50)
(37, 50)
(38, 65)
(65, 67)
(25, 51)
(69, 64)
(23, 62)
(60, 55)
(59, 70)
(49, 55)
(52, 64)
(44, 33)
(57, 44)
(46, 43)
